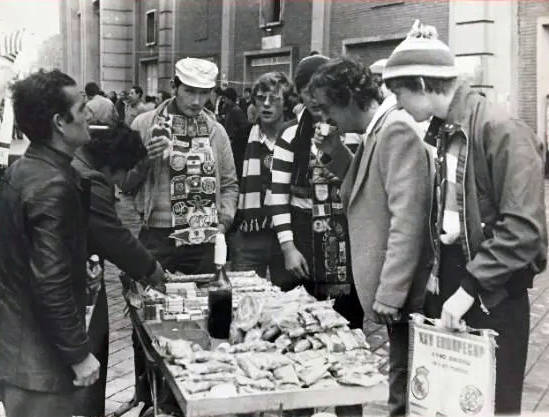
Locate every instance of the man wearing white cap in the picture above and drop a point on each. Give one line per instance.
(377, 71)
(187, 188)
(188, 185)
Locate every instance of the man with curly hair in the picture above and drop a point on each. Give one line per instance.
(44, 350)
(385, 194)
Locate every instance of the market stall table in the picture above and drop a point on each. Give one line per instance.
(199, 405)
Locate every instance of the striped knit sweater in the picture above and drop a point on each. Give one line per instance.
(252, 214)
(282, 199)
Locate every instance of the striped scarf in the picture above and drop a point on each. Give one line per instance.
(253, 215)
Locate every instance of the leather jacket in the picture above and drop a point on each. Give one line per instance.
(107, 237)
(43, 225)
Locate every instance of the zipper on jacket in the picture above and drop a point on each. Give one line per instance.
(465, 196)
(432, 193)
(482, 305)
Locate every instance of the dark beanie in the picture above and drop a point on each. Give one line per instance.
(306, 68)
(230, 93)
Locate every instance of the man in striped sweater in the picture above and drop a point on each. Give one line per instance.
(254, 244)
(291, 198)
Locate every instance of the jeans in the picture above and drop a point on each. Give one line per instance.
(258, 251)
(188, 259)
(398, 367)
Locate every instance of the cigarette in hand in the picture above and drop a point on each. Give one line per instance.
(324, 129)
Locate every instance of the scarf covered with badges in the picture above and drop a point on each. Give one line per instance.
(192, 177)
(252, 215)
(302, 150)
(331, 273)
(331, 253)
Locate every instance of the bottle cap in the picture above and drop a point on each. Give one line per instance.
(220, 252)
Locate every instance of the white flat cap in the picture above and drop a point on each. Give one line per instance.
(378, 66)
(196, 72)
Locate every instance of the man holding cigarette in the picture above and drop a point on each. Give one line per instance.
(187, 189)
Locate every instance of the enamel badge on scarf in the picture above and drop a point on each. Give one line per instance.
(192, 180)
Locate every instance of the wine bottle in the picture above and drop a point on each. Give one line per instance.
(220, 295)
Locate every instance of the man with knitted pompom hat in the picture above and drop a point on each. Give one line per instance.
(488, 224)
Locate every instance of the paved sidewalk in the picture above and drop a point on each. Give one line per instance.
(120, 378)
(536, 387)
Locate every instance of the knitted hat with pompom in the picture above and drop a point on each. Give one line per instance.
(306, 68)
(421, 54)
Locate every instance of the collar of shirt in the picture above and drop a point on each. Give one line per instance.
(389, 102)
(270, 145)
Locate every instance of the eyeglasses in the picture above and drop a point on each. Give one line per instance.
(262, 98)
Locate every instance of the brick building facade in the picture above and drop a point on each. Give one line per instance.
(371, 30)
(532, 70)
(501, 46)
(171, 30)
(266, 41)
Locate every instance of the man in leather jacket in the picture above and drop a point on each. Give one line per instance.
(44, 353)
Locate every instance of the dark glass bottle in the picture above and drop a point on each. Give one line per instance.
(220, 305)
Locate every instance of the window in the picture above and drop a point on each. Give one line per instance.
(151, 27)
(150, 72)
(270, 12)
(201, 10)
(258, 64)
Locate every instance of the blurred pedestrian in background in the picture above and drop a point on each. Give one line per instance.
(237, 127)
(112, 96)
(120, 105)
(161, 97)
(134, 105)
(245, 100)
(100, 109)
